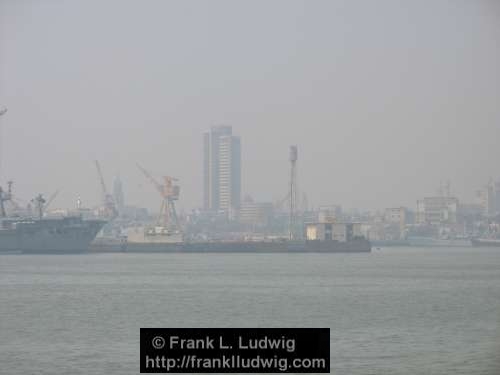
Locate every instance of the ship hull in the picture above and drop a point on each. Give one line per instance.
(48, 236)
(389, 243)
(435, 242)
(353, 246)
(486, 242)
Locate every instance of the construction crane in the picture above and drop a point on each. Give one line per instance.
(108, 201)
(169, 193)
(50, 200)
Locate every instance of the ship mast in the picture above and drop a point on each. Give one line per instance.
(3, 198)
(39, 201)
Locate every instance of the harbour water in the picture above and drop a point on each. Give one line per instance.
(392, 311)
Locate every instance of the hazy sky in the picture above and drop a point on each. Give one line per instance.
(383, 98)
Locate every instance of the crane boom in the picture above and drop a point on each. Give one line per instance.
(158, 186)
(99, 172)
(51, 199)
(169, 193)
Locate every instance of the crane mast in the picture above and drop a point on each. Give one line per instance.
(101, 178)
(109, 202)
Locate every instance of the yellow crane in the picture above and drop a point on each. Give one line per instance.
(169, 193)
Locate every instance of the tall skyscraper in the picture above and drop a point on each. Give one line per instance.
(222, 170)
(118, 194)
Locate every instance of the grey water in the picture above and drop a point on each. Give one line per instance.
(393, 311)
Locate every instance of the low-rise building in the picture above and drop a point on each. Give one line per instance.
(256, 213)
(333, 231)
(330, 213)
(437, 210)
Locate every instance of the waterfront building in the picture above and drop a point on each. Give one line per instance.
(397, 216)
(256, 214)
(437, 210)
(329, 213)
(342, 232)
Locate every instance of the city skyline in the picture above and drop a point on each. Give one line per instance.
(480, 195)
(379, 121)
(258, 163)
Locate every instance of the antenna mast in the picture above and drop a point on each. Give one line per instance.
(3, 111)
(293, 191)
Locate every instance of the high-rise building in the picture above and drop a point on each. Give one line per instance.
(118, 194)
(222, 170)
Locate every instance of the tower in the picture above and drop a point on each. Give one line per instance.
(118, 194)
(221, 170)
(292, 191)
(3, 111)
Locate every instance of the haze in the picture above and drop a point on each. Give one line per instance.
(384, 99)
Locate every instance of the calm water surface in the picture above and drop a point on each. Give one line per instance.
(394, 311)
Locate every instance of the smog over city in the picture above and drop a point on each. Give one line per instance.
(385, 100)
(331, 166)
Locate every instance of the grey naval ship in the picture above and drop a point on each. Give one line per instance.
(25, 234)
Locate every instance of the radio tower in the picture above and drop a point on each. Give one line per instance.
(3, 111)
(293, 191)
